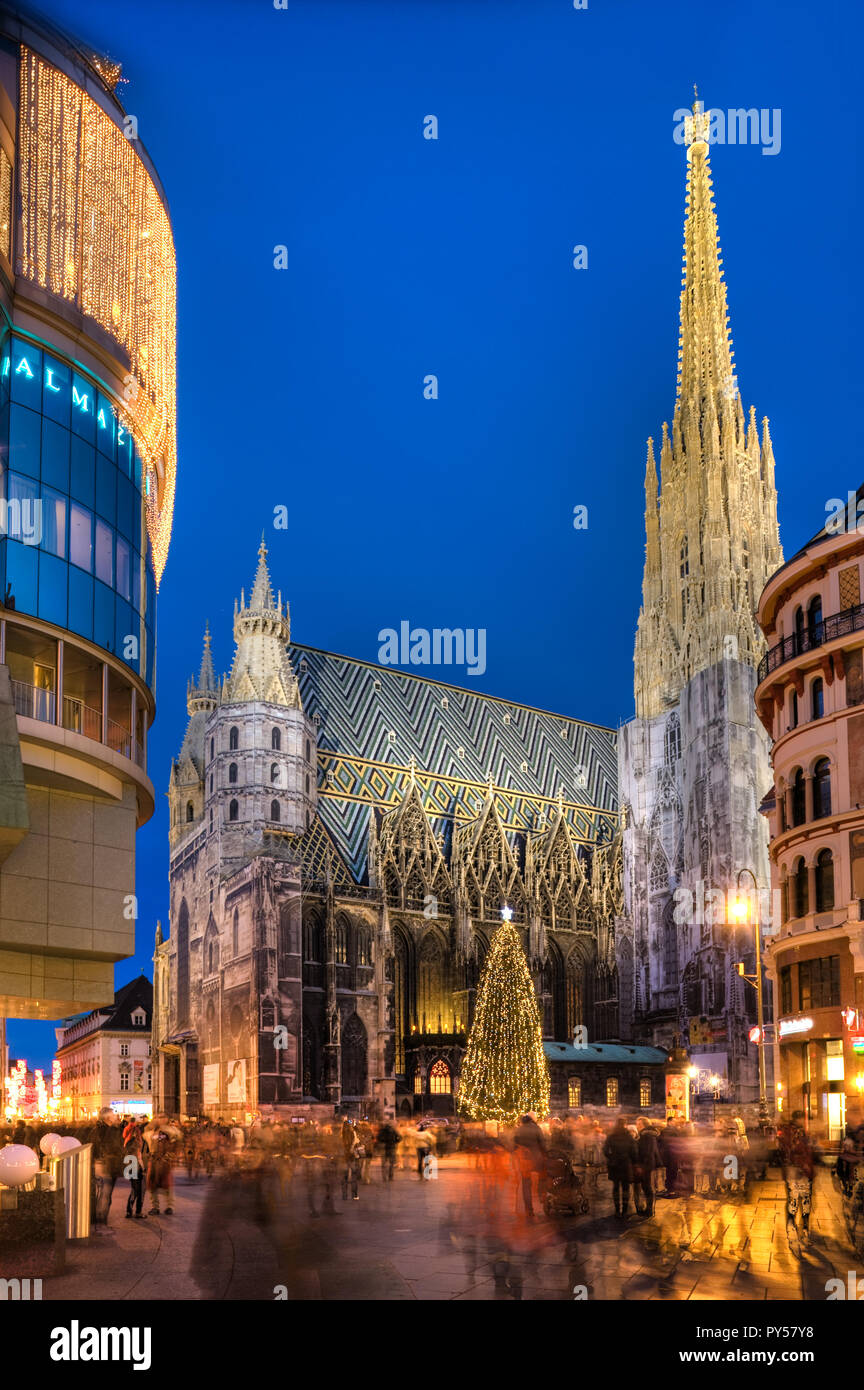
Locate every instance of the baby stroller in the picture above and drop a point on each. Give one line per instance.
(565, 1190)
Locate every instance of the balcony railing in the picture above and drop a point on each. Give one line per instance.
(32, 702)
(813, 636)
(78, 718)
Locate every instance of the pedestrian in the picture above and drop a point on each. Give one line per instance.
(647, 1163)
(352, 1168)
(798, 1162)
(161, 1138)
(621, 1156)
(107, 1141)
(669, 1143)
(388, 1139)
(135, 1153)
(529, 1146)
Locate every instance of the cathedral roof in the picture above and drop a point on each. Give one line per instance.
(374, 720)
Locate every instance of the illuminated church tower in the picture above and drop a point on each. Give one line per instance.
(694, 763)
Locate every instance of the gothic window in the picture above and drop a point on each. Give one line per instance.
(670, 945)
(233, 738)
(440, 1081)
(190, 811)
(817, 695)
(211, 822)
(644, 1093)
(401, 1000)
(274, 810)
(307, 783)
(801, 894)
(432, 1007)
(212, 748)
(340, 943)
(672, 749)
(574, 1092)
(235, 934)
(211, 783)
(308, 751)
(233, 810)
(814, 620)
(612, 1090)
(573, 996)
(659, 877)
(183, 965)
(276, 740)
(822, 789)
(824, 880)
(798, 798)
(684, 573)
(353, 1058)
(364, 948)
(232, 773)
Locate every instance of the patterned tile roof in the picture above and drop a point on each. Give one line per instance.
(374, 721)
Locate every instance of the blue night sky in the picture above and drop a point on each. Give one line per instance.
(407, 256)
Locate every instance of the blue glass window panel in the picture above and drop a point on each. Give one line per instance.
(82, 478)
(103, 616)
(80, 536)
(151, 654)
(54, 510)
(5, 370)
(139, 472)
(55, 455)
(83, 408)
(125, 449)
(3, 545)
(56, 391)
(25, 439)
(106, 488)
(80, 603)
(103, 566)
(24, 514)
(128, 507)
(123, 580)
(136, 581)
(22, 563)
(105, 424)
(53, 589)
(126, 627)
(26, 374)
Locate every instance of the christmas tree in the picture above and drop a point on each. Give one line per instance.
(504, 1073)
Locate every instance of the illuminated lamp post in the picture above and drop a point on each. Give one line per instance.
(741, 917)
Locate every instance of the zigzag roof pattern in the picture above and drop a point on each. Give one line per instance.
(374, 722)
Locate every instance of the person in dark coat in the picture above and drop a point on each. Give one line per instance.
(648, 1161)
(529, 1146)
(621, 1156)
(669, 1144)
(107, 1140)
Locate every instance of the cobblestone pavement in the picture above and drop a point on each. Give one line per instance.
(411, 1240)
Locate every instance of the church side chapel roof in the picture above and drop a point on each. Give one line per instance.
(605, 1052)
(378, 727)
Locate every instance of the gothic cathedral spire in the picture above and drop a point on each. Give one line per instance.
(711, 536)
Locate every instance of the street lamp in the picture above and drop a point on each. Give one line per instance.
(741, 915)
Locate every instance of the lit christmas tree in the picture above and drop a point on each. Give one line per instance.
(504, 1074)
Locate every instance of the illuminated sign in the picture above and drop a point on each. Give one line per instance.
(755, 1034)
(857, 1041)
(794, 1025)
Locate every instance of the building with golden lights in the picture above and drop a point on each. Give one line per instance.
(810, 698)
(694, 762)
(87, 471)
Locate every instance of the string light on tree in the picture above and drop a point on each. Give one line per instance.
(505, 1073)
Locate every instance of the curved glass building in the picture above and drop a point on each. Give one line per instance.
(87, 474)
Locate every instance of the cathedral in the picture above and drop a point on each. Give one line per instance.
(694, 763)
(344, 835)
(343, 839)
